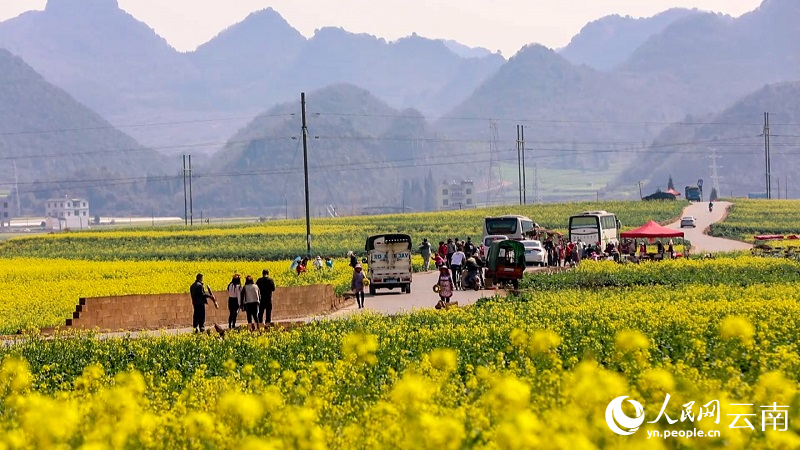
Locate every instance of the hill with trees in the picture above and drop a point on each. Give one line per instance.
(718, 59)
(605, 43)
(361, 151)
(60, 147)
(735, 135)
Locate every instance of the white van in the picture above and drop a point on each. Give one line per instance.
(487, 242)
(389, 262)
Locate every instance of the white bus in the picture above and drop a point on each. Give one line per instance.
(591, 227)
(514, 227)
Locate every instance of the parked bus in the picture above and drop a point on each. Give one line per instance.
(591, 227)
(694, 193)
(514, 227)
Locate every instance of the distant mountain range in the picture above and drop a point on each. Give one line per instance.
(607, 42)
(735, 136)
(60, 147)
(355, 161)
(386, 113)
(120, 67)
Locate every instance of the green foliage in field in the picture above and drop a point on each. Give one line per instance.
(748, 218)
(286, 239)
(734, 271)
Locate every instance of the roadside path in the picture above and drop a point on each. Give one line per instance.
(701, 242)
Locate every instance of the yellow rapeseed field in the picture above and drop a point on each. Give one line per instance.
(44, 292)
(538, 371)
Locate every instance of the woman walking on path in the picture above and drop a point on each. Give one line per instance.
(445, 284)
(251, 298)
(234, 298)
(357, 285)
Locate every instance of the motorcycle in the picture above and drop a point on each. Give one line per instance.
(470, 279)
(710, 207)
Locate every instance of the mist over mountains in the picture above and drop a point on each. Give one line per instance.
(385, 114)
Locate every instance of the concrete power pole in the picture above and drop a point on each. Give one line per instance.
(519, 164)
(16, 188)
(766, 155)
(524, 181)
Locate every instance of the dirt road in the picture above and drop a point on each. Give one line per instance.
(421, 296)
(701, 242)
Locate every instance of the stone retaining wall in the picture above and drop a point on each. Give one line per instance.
(138, 312)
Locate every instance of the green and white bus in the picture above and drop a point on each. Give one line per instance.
(591, 227)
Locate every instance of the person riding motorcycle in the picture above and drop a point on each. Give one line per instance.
(473, 274)
(710, 206)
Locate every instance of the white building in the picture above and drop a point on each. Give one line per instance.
(5, 211)
(63, 213)
(456, 195)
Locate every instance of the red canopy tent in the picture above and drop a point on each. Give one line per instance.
(652, 230)
(673, 192)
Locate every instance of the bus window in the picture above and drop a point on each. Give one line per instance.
(504, 225)
(527, 226)
(582, 222)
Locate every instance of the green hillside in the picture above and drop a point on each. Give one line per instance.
(61, 147)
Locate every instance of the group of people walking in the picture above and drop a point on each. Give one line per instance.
(253, 297)
(445, 251)
(453, 258)
(300, 264)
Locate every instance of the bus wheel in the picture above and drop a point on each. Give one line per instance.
(371, 289)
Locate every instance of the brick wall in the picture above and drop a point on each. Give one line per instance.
(137, 312)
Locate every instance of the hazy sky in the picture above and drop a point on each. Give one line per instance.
(503, 25)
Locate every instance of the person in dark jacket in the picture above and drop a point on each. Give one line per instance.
(357, 285)
(199, 301)
(266, 286)
(353, 259)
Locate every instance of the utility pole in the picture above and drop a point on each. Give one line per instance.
(537, 192)
(191, 207)
(524, 181)
(185, 201)
(305, 171)
(16, 190)
(640, 189)
(766, 154)
(778, 185)
(519, 165)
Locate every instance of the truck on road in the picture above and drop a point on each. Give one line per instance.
(694, 193)
(389, 262)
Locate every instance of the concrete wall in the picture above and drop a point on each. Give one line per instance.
(137, 312)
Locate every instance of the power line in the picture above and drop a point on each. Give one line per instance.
(719, 142)
(140, 125)
(536, 120)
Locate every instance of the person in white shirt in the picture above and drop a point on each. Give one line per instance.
(455, 266)
(234, 297)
